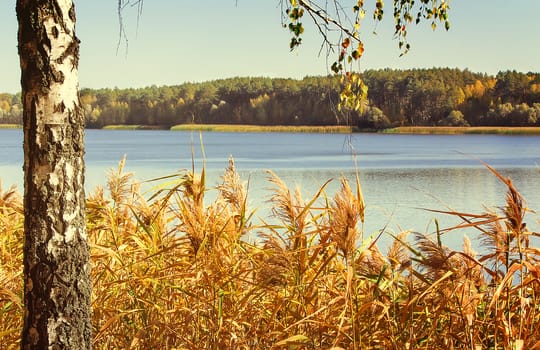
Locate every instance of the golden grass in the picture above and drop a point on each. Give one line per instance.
(133, 127)
(11, 245)
(173, 272)
(530, 130)
(333, 129)
(10, 126)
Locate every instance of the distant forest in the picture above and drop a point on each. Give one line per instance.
(417, 97)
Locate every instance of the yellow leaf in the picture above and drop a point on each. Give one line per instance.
(299, 338)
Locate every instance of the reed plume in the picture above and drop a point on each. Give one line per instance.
(172, 269)
(345, 215)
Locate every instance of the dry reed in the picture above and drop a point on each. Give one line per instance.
(171, 271)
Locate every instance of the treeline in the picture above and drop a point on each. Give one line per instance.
(451, 97)
(10, 109)
(418, 97)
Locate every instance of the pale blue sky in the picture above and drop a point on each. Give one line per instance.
(198, 40)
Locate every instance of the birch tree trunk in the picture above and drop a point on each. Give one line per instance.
(57, 284)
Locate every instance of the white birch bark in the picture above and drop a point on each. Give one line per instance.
(56, 255)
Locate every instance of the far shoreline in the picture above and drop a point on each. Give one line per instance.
(342, 129)
(464, 130)
(329, 129)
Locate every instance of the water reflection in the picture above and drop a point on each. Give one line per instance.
(399, 173)
(398, 198)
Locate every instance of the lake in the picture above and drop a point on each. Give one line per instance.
(399, 173)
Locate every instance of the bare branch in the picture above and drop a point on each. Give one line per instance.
(122, 35)
(318, 12)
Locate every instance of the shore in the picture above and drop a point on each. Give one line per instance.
(10, 126)
(456, 130)
(330, 129)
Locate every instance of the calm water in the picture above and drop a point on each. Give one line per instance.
(399, 173)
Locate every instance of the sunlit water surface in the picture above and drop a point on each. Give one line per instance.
(401, 175)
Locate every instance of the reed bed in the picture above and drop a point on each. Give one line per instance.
(10, 126)
(171, 271)
(451, 130)
(324, 129)
(134, 127)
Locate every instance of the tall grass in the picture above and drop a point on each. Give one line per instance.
(134, 127)
(171, 271)
(10, 126)
(450, 130)
(11, 245)
(325, 129)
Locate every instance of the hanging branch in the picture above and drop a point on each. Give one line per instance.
(122, 4)
(353, 95)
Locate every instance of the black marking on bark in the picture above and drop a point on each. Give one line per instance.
(58, 16)
(57, 76)
(55, 32)
(72, 50)
(72, 13)
(60, 108)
